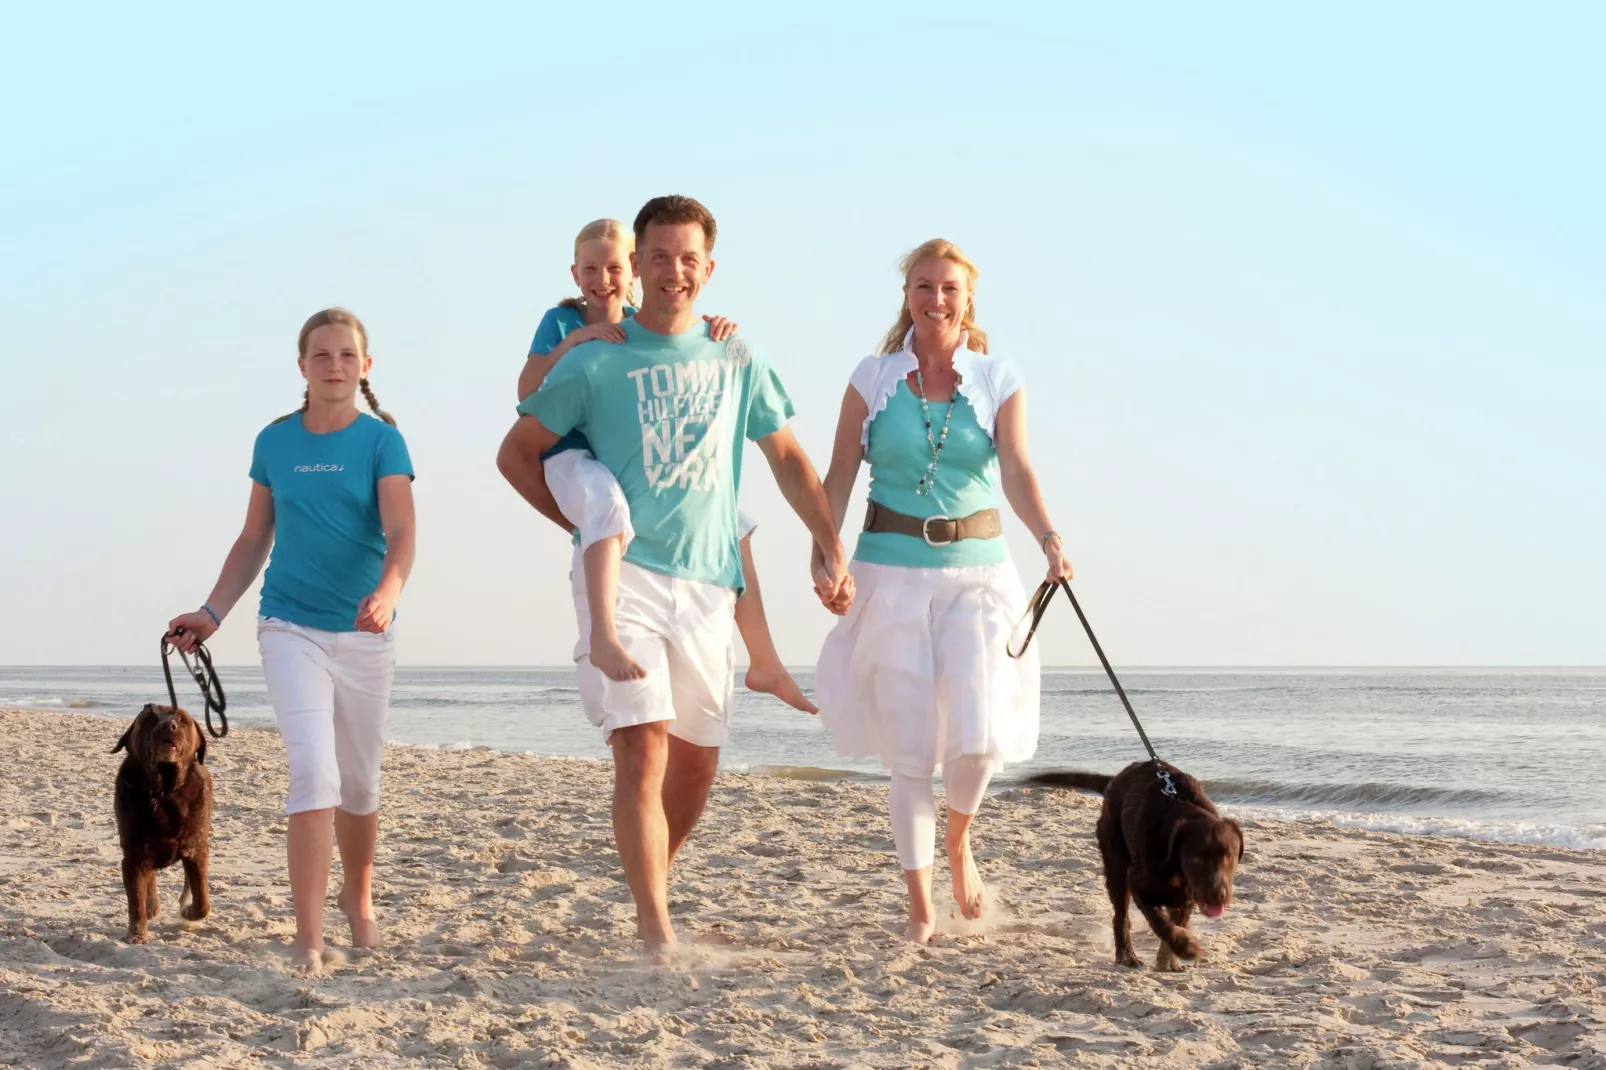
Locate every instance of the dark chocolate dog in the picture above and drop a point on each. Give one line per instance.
(1168, 854)
(163, 801)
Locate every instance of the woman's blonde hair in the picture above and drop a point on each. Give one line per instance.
(603, 230)
(938, 249)
(324, 319)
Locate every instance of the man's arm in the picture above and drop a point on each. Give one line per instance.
(519, 461)
(801, 487)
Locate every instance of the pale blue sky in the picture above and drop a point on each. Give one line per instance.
(1310, 305)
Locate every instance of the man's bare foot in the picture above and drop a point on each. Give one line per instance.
(615, 662)
(969, 892)
(364, 926)
(775, 680)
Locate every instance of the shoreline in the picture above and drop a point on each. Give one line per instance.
(509, 936)
(1318, 809)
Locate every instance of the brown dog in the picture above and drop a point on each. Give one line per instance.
(1167, 853)
(163, 802)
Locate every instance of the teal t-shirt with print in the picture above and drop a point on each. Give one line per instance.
(328, 540)
(668, 415)
(967, 481)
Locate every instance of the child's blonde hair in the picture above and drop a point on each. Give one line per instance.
(603, 230)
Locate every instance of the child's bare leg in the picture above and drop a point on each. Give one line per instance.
(764, 669)
(601, 561)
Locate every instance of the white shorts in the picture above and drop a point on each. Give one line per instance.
(330, 693)
(589, 495)
(680, 632)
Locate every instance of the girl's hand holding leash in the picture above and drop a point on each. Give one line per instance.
(188, 629)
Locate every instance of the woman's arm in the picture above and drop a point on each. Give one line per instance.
(1020, 483)
(375, 612)
(846, 451)
(246, 558)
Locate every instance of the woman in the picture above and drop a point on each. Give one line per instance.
(331, 494)
(917, 673)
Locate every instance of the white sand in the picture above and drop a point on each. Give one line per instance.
(510, 936)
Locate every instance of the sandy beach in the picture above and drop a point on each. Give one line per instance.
(509, 936)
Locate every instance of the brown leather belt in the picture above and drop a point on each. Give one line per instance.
(936, 530)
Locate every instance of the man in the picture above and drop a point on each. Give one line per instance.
(667, 411)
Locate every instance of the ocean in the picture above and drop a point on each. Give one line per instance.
(1494, 754)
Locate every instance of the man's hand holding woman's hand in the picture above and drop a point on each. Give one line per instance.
(832, 582)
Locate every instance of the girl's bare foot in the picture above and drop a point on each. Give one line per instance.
(307, 959)
(775, 680)
(615, 662)
(364, 926)
(969, 892)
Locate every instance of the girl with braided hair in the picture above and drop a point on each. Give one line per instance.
(332, 497)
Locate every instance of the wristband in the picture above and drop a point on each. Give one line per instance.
(1049, 534)
(217, 622)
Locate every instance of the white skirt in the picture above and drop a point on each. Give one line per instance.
(917, 674)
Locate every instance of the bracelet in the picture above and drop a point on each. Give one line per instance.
(1049, 534)
(217, 622)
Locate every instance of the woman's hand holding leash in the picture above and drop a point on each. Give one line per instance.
(1059, 566)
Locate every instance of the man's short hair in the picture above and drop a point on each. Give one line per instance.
(673, 210)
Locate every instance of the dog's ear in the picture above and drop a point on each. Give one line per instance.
(200, 741)
(126, 740)
(1173, 843)
(1240, 834)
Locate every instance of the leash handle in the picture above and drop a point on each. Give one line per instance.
(1035, 610)
(205, 678)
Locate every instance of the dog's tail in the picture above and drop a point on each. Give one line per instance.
(1097, 783)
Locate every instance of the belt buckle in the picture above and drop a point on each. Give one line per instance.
(925, 530)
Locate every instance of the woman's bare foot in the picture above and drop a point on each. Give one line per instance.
(919, 932)
(969, 892)
(614, 661)
(364, 926)
(775, 680)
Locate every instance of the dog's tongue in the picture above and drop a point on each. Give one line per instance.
(1211, 911)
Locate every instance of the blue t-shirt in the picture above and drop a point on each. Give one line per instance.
(328, 543)
(967, 481)
(668, 415)
(553, 328)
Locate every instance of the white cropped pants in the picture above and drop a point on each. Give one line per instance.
(330, 693)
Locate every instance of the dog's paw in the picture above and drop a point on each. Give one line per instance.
(195, 911)
(1129, 960)
(1185, 945)
(1166, 961)
(140, 936)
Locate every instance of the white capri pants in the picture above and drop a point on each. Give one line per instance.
(914, 807)
(589, 495)
(330, 693)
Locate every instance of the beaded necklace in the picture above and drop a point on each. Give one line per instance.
(928, 481)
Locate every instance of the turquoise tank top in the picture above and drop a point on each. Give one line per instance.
(967, 481)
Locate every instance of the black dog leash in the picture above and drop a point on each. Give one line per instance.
(205, 678)
(1035, 610)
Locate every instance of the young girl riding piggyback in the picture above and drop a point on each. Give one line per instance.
(587, 491)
